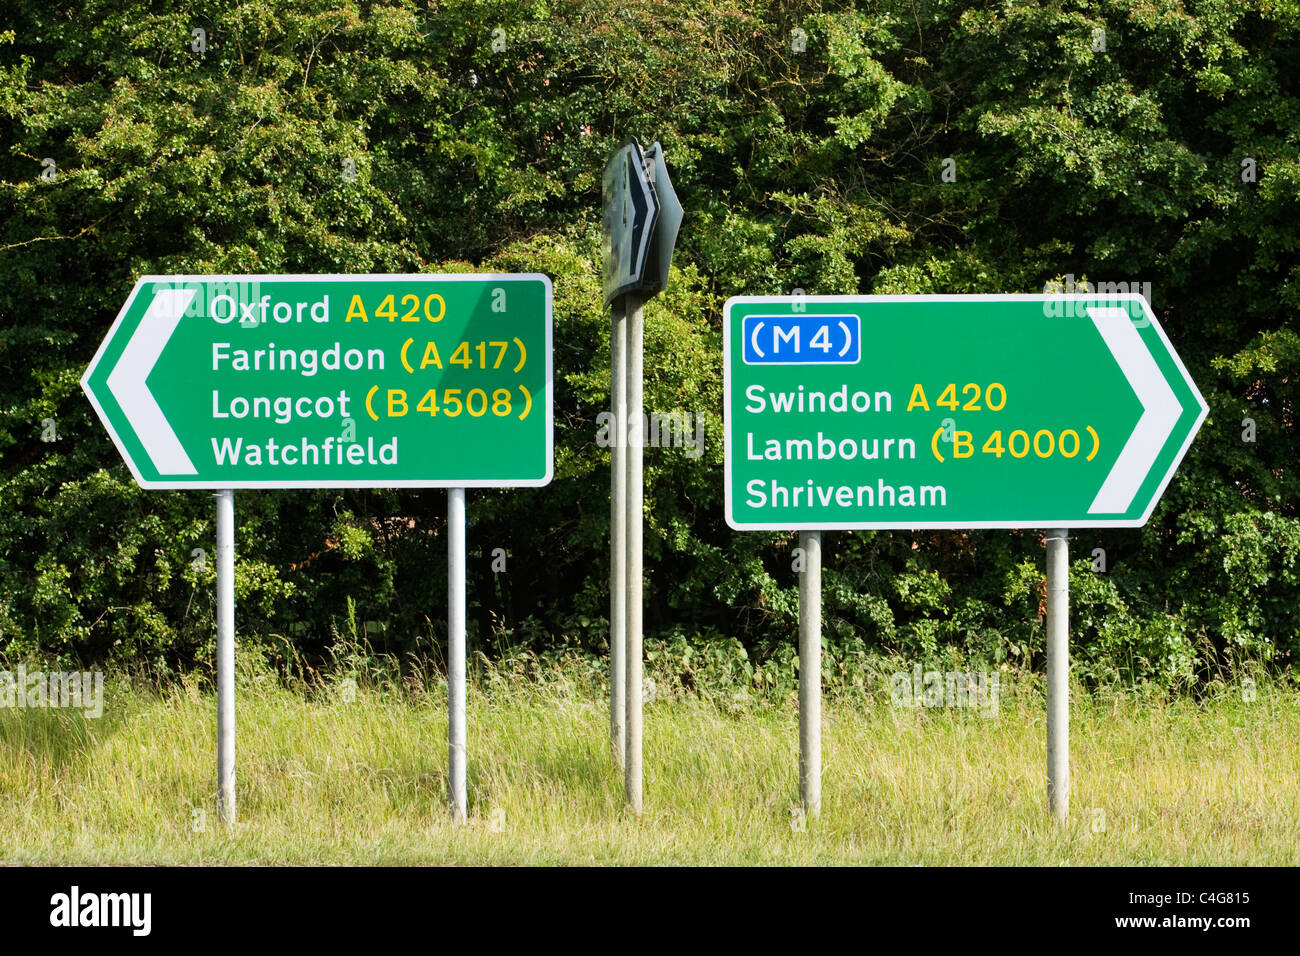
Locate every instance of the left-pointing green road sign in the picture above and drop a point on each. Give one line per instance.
(330, 381)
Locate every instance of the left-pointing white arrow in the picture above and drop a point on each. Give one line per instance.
(1160, 410)
(127, 382)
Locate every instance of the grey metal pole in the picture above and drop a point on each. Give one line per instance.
(810, 674)
(456, 652)
(1058, 674)
(226, 657)
(618, 537)
(635, 491)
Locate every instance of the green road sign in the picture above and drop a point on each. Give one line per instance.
(330, 381)
(960, 411)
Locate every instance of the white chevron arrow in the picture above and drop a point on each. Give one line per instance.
(127, 382)
(1160, 410)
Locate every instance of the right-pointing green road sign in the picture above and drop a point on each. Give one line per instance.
(962, 411)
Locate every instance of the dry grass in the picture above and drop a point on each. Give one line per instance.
(324, 781)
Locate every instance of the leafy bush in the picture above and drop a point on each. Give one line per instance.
(817, 168)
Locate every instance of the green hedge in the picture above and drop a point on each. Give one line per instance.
(807, 142)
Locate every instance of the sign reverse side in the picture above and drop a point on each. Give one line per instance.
(629, 212)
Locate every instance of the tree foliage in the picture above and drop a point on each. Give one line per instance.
(1102, 140)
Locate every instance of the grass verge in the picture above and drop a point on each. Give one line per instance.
(325, 779)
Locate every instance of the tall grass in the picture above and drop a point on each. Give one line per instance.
(328, 776)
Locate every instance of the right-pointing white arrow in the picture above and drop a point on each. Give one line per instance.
(1160, 410)
(127, 382)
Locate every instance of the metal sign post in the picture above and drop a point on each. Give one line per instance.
(456, 653)
(618, 538)
(640, 220)
(226, 657)
(635, 519)
(810, 674)
(1058, 674)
